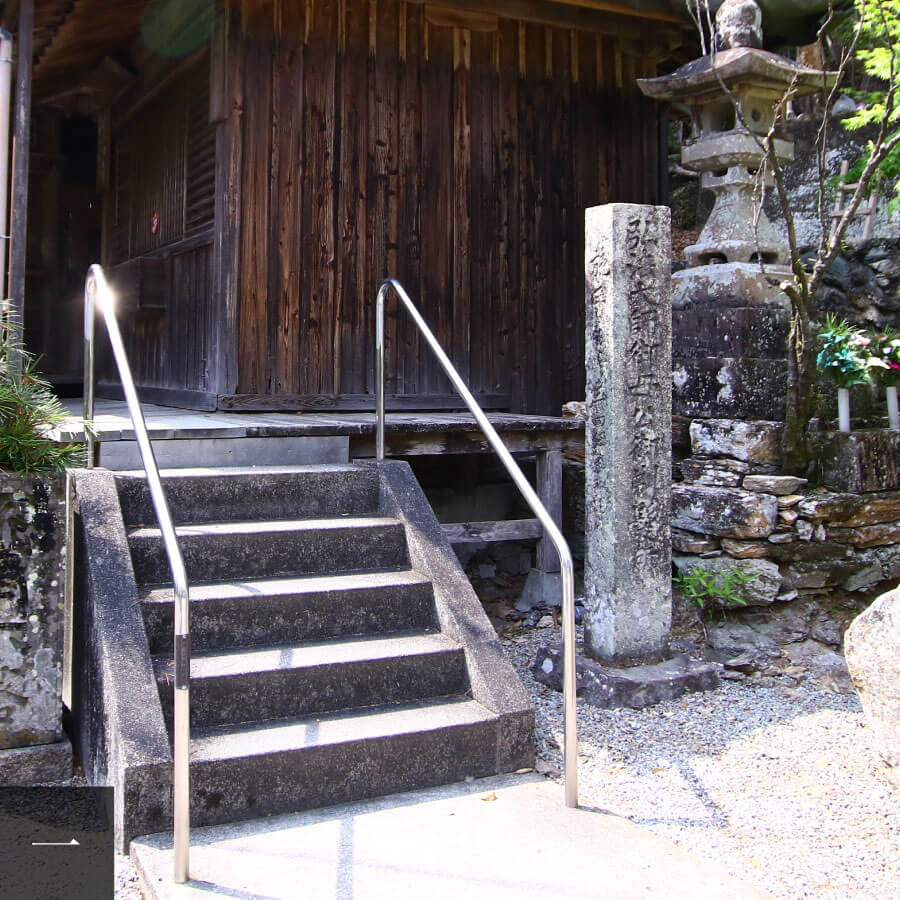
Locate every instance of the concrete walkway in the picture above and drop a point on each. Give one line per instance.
(509, 837)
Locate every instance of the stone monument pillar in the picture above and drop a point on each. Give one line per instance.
(628, 567)
(628, 469)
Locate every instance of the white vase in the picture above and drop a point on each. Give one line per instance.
(893, 416)
(844, 409)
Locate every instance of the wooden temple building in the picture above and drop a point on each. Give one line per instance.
(250, 171)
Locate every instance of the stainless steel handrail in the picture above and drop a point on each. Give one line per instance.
(567, 569)
(97, 293)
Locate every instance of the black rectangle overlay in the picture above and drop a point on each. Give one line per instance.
(56, 842)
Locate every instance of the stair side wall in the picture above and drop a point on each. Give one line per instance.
(119, 728)
(494, 682)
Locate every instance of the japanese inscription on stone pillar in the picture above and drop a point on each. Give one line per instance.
(628, 587)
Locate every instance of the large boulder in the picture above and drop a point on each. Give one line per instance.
(872, 650)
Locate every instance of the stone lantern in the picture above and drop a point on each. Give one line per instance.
(732, 97)
(730, 319)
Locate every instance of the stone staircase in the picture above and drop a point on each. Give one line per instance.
(338, 651)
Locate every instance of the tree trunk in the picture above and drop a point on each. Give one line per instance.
(801, 381)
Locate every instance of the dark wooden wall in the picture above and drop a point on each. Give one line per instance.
(161, 149)
(457, 152)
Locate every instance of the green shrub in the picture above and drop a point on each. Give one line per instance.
(28, 410)
(702, 587)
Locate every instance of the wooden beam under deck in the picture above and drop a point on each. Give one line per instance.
(486, 532)
(351, 402)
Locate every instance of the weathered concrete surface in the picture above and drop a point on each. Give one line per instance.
(32, 580)
(861, 461)
(872, 651)
(628, 601)
(45, 763)
(119, 731)
(762, 590)
(450, 842)
(259, 745)
(178, 453)
(756, 442)
(726, 512)
(636, 687)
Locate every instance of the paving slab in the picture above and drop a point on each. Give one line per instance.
(502, 838)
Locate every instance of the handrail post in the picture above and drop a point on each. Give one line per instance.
(90, 289)
(566, 566)
(96, 282)
(379, 371)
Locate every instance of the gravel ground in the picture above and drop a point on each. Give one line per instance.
(127, 884)
(779, 785)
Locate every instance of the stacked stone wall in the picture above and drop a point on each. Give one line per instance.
(733, 511)
(863, 284)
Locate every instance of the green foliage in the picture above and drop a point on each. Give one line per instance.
(702, 587)
(876, 52)
(844, 356)
(28, 409)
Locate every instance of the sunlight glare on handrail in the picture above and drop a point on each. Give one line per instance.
(99, 297)
(567, 569)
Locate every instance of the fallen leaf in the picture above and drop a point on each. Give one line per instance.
(489, 797)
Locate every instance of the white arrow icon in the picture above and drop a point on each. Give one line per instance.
(72, 843)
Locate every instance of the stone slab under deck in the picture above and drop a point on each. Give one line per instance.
(407, 434)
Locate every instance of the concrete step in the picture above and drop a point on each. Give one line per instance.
(219, 495)
(233, 550)
(325, 676)
(250, 612)
(277, 766)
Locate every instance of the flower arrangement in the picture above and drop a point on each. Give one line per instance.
(849, 356)
(845, 356)
(884, 353)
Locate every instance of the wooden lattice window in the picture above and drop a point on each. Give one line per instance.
(163, 170)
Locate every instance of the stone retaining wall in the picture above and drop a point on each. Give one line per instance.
(733, 511)
(863, 284)
(32, 560)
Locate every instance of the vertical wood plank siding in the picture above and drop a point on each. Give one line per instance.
(382, 139)
(164, 165)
